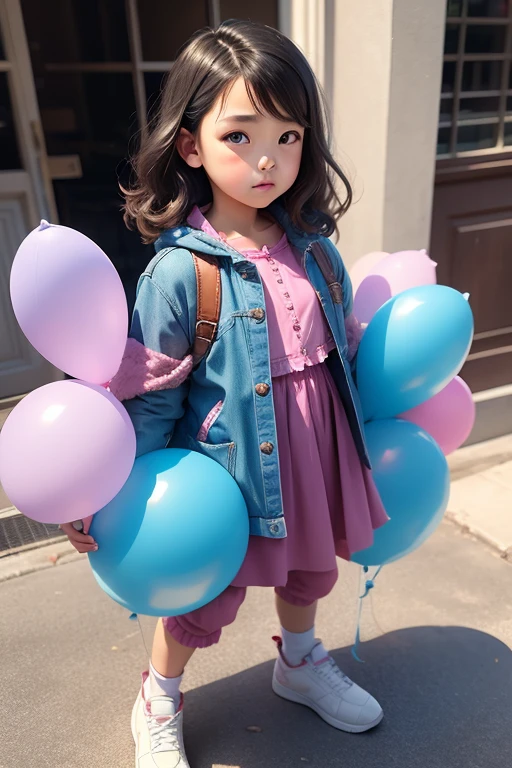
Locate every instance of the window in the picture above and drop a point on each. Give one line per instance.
(476, 95)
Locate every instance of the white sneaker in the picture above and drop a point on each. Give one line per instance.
(318, 683)
(157, 729)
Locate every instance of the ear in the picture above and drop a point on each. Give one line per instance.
(187, 147)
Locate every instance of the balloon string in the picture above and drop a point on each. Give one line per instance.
(368, 585)
(134, 617)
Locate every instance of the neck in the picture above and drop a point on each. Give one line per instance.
(234, 218)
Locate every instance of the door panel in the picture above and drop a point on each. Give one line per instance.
(472, 243)
(25, 198)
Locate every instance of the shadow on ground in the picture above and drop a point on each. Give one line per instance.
(446, 693)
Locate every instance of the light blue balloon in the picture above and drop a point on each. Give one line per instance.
(174, 537)
(412, 476)
(413, 347)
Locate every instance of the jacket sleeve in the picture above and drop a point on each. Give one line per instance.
(353, 327)
(155, 325)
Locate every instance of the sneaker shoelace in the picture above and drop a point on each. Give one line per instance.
(164, 733)
(330, 672)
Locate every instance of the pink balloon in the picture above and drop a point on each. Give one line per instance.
(65, 451)
(448, 417)
(395, 273)
(70, 302)
(364, 266)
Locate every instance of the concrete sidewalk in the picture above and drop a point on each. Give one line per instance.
(481, 492)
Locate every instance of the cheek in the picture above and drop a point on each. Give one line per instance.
(231, 166)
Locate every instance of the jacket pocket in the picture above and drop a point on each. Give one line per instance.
(209, 421)
(222, 453)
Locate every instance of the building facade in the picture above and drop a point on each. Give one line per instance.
(421, 99)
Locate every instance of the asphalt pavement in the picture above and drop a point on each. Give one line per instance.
(437, 638)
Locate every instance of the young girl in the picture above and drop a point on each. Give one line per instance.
(237, 166)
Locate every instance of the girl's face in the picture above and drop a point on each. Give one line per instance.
(241, 149)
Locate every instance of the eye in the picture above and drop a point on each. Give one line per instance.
(290, 133)
(237, 134)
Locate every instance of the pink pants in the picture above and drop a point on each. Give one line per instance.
(203, 627)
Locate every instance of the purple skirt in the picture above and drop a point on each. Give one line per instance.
(330, 502)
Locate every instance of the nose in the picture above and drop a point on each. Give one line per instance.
(265, 163)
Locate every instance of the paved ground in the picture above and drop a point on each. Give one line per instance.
(481, 492)
(437, 655)
(438, 639)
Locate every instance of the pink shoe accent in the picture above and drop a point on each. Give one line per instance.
(143, 370)
(209, 421)
(145, 703)
(279, 643)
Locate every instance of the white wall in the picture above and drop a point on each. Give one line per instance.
(380, 63)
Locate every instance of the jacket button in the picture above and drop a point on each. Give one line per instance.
(274, 528)
(262, 389)
(243, 275)
(266, 448)
(258, 313)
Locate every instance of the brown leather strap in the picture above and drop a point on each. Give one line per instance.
(208, 303)
(326, 268)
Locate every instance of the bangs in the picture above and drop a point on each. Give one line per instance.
(271, 91)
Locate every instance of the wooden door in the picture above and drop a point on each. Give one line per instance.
(472, 216)
(25, 197)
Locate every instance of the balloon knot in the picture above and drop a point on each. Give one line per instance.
(369, 585)
(44, 224)
(133, 617)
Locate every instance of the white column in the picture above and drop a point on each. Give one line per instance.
(387, 64)
(380, 64)
(303, 21)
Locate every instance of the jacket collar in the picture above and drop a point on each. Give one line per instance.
(198, 235)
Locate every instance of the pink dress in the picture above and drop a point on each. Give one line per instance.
(330, 502)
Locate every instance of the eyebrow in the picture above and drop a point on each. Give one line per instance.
(241, 118)
(249, 119)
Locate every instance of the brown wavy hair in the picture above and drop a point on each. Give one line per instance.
(166, 188)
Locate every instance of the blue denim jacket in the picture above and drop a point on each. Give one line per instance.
(242, 436)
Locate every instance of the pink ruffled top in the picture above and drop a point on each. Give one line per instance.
(298, 333)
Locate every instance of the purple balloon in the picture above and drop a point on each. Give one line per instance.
(65, 451)
(70, 303)
(448, 417)
(393, 274)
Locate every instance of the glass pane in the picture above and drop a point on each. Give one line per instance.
(508, 134)
(485, 38)
(451, 38)
(165, 26)
(481, 107)
(63, 31)
(509, 105)
(9, 152)
(91, 115)
(493, 9)
(2, 53)
(454, 8)
(471, 137)
(448, 77)
(481, 76)
(264, 11)
(446, 110)
(443, 141)
(154, 82)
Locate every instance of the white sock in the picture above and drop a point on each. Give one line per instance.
(296, 645)
(158, 685)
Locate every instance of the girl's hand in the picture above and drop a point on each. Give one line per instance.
(79, 538)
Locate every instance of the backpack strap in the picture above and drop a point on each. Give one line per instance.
(324, 262)
(208, 304)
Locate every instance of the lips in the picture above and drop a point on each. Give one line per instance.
(265, 184)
